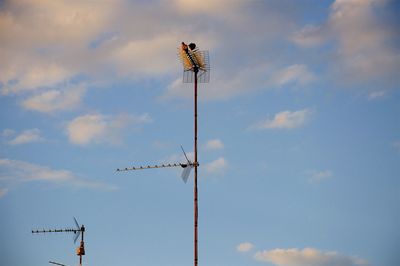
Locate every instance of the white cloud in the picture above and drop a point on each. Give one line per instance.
(307, 257)
(207, 6)
(285, 120)
(84, 129)
(46, 45)
(7, 132)
(244, 247)
(217, 166)
(376, 94)
(294, 74)
(37, 76)
(177, 158)
(362, 39)
(214, 144)
(3, 192)
(317, 177)
(14, 171)
(396, 145)
(149, 56)
(97, 128)
(27, 136)
(55, 100)
(226, 83)
(309, 36)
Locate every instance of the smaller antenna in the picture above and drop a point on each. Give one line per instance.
(78, 231)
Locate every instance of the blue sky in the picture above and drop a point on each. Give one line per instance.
(299, 132)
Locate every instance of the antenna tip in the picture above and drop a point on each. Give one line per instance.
(184, 46)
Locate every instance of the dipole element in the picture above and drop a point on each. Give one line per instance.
(195, 62)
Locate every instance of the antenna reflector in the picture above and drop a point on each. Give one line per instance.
(194, 60)
(186, 173)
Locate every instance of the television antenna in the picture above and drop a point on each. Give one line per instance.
(78, 231)
(187, 167)
(196, 68)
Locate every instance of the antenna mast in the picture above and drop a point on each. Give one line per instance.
(196, 69)
(195, 64)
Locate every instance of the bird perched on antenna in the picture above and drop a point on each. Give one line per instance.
(185, 47)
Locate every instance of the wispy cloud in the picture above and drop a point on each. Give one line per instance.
(38, 76)
(294, 74)
(307, 257)
(244, 247)
(396, 145)
(376, 94)
(217, 166)
(319, 176)
(55, 100)
(225, 84)
(27, 136)
(214, 144)
(98, 128)
(14, 171)
(207, 6)
(310, 36)
(3, 192)
(363, 37)
(46, 46)
(7, 132)
(285, 120)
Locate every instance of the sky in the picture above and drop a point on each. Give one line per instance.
(299, 132)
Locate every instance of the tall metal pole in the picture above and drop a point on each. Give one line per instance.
(81, 249)
(196, 214)
(80, 254)
(194, 60)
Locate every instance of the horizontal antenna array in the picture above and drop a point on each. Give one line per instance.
(183, 165)
(56, 231)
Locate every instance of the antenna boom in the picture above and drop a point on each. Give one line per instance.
(183, 165)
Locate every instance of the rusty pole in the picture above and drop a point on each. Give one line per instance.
(81, 249)
(196, 214)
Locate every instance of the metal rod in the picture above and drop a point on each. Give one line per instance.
(196, 214)
(55, 231)
(56, 263)
(82, 244)
(183, 165)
